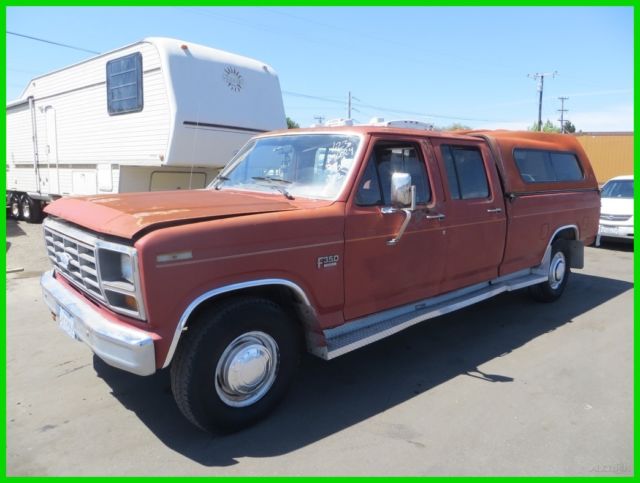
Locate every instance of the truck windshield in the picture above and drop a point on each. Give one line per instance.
(305, 165)
(618, 189)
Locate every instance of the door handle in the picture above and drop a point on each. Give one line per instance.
(494, 210)
(436, 216)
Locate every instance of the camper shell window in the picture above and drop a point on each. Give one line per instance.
(124, 84)
(541, 166)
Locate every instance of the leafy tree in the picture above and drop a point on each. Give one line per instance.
(548, 126)
(291, 124)
(456, 126)
(569, 127)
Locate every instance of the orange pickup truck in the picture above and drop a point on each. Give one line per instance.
(326, 239)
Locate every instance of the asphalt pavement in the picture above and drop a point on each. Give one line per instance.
(506, 387)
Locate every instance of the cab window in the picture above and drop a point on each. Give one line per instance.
(386, 159)
(466, 173)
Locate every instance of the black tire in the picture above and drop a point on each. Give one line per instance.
(14, 206)
(30, 209)
(559, 271)
(197, 371)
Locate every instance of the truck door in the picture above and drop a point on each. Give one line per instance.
(475, 221)
(379, 275)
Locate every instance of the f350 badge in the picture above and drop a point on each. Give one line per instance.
(328, 261)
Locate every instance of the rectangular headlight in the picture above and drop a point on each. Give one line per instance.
(119, 278)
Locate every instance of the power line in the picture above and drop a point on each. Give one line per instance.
(425, 114)
(52, 42)
(354, 107)
(318, 98)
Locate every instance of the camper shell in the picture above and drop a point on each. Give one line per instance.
(155, 115)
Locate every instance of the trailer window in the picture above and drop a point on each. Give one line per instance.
(124, 84)
(541, 166)
(465, 172)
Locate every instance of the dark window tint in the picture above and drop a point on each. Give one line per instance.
(452, 177)
(539, 166)
(375, 187)
(369, 190)
(124, 84)
(465, 172)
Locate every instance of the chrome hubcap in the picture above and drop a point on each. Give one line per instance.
(15, 209)
(557, 270)
(247, 369)
(26, 211)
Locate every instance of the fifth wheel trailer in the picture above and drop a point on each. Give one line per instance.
(160, 114)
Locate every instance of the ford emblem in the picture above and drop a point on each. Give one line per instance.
(64, 259)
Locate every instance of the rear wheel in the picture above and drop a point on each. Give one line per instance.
(14, 206)
(558, 275)
(234, 363)
(30, 209)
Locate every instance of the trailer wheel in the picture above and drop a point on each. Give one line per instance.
(30, 209)
(14, 206)
(234, 363)
(552, 288)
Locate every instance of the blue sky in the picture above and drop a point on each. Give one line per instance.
(440, 65)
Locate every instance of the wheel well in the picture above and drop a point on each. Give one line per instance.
(284, 296)
(571, 244)
(568, 233)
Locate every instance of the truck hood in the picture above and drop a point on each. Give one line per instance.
(125, 215)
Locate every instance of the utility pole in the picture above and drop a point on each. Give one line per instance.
(540, 78)
(319, 120)
(562, 110)
(349, 107)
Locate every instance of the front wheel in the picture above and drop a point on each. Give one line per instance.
(558, 275)
(234, 363)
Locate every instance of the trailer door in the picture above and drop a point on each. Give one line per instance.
(52, 151)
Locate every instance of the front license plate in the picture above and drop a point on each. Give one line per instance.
(65, 319)
(608, 230)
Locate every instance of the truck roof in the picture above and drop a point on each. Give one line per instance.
(371, 129)
(529, 139)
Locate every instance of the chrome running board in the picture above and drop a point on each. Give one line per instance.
(363, 331)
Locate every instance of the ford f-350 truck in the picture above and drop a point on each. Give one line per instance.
(324, 239)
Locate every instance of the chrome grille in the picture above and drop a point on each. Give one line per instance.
(607, 217)
(75, 260)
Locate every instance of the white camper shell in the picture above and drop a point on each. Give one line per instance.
(159, 114)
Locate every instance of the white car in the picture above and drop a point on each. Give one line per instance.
(616, 213)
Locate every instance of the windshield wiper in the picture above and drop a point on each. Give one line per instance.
(272, 178)
(281, 189)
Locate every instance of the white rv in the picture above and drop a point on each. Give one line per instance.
(156, 115)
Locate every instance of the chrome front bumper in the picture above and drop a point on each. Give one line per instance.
(120, 346)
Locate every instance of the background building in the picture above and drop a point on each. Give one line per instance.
(610, 153)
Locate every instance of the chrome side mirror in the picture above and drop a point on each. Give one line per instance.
(403, 198)
(403, 195)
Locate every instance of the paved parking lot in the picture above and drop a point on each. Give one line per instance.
(509, 386)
